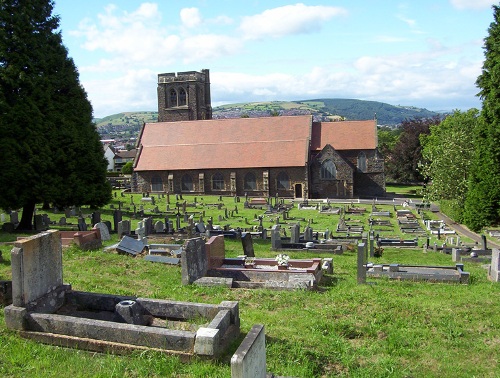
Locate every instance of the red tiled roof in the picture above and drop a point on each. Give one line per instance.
(225, 143)
(246, 142)
(345, 135)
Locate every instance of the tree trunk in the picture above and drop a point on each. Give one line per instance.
(26, 223)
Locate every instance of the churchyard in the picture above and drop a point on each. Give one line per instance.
(384, 328)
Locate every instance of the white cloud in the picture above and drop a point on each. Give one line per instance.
(190, 17)
(286, 20)
(472, 4)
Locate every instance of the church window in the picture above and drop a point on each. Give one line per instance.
(328, 170)
(283, 181)
(182, 97)
(173, 97)
(187, 183)
(362, 162)
(250, 183)
(217, 182)
(156, 184)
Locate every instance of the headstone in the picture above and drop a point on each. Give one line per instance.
(39, 225)
(123, 228)
(200, 227)
(148, 225)
(194, 261)
(249, 360)
(36, 267)
(295, 233)
(215, 251)
(159, 227)
(247, 243)
(67, 212)
(130, 246)
(82, 226)
(308, 234)
(2, 217)
(14, 217)
(275, 239)
(361, 264)
(103, 229)
(96, 217)
(494, 269)
(140, 231)
(117, 218)
(8, 227)
(62, 221)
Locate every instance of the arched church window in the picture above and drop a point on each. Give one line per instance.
(156, 184)
(187, 183)
(283, 181)
(173, 97)
(250, 182)
(182, 97)
(328, 170)
(362, 161)
(218, 181)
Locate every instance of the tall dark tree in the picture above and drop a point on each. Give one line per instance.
(50, 148)
(482, 206)
(402, 163)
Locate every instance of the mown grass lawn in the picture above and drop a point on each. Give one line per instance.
(382, 329)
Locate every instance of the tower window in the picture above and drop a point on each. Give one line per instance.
(182, 97)
(173, 97)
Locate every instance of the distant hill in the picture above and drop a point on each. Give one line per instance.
(321, 109)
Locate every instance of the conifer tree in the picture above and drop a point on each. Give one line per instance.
(50, 148)
(482, 206)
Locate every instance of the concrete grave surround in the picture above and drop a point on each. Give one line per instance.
(46, 310)
(205, 264)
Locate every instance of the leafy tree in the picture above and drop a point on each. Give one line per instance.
(127, 168)
(387, 139)
(447, 154)
(403, 161)
(482, 207)
(50, 148)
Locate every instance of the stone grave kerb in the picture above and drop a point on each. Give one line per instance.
(36, 267)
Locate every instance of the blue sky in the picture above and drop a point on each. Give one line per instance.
(425, 53)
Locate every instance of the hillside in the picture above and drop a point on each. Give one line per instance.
(321, 109)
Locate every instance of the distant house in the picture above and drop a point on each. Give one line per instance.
(289, 156)
(118, 158)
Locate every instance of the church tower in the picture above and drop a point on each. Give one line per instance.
(184, 96)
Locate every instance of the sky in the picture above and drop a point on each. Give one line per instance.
(425, 53)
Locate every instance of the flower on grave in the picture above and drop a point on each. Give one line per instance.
(282, 259)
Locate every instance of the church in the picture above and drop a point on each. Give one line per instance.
(188, 152)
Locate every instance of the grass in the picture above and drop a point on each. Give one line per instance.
(382, 329)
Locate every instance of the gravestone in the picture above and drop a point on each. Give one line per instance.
(96, 217)
(494, 269)
(308, 234)
(159, 227)
(200, 227)
(130, 245)
(247, 243)
(140, 231)
(103, 229)
(37, 259)
(215, 251)
(39, 224)
(194, 262)
(62, 221)
(82, 226)
(361, 264)
(148, 225)
(14, 217)
(249, 360)
(295, 233)
(275, 239)
(117, 218)
(123, 228)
